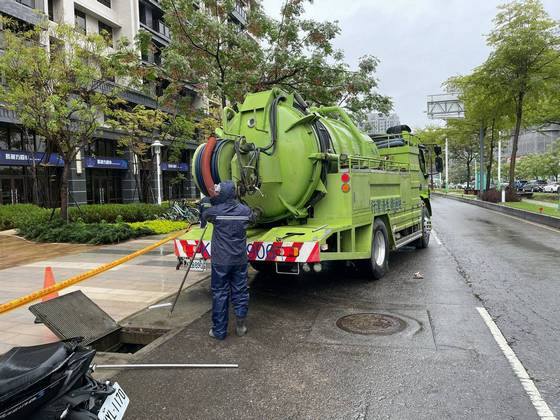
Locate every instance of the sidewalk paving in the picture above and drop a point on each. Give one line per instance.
(120, 292)
(15, 251)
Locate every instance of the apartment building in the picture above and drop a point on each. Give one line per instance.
(101, 174)
(379, 123)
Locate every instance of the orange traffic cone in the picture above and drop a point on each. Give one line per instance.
(48, 282)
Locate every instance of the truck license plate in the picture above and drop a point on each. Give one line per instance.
(198, 265)
(115, 405)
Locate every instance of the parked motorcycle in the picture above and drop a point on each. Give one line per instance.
(53, 381)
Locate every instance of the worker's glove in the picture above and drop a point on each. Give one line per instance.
(217, 188)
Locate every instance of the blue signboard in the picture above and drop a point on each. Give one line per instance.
(181, 167)
(23, 158)
(106, 163)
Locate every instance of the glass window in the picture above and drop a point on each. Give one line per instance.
(142, 10)
(80, 21)
(105, 2)
(15, 139)
(4, 138)
(106, 31)
(51, 9)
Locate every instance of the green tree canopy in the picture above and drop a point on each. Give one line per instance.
(523, 64)
(211, 50)
(61, 93)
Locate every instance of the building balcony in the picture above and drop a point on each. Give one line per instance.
(21, 11)
(160, 32)
(239, 14)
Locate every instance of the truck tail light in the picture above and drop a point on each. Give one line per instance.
(287, 251)
(345, 178)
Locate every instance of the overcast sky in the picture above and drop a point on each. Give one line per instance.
(420, 43)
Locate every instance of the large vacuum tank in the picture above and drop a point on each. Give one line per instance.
(275, 149)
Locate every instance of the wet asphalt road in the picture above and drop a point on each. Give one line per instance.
(296, 363)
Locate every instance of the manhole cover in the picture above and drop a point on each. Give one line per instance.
(371, 323)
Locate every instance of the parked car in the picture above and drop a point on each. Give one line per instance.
(519, 184)
(532, 186)
(553, 187)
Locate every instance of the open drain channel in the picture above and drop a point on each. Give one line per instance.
(371, 323)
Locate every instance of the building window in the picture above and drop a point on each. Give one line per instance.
(80, 21)
(142, 11)
(51, 9)
(28, 3)
(105, 2)
(106, 31)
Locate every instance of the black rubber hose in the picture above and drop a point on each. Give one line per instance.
(273, 126)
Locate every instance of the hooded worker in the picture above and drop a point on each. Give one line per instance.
(229, 257)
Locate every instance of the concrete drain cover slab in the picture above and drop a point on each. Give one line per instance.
(407, 328)
(371, 323)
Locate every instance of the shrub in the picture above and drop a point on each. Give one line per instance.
(94, 233)
(159, 227)
(134, 212)
(12, 216)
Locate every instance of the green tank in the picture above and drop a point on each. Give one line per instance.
(276, 163)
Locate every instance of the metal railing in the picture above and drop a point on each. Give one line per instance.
(360, 163)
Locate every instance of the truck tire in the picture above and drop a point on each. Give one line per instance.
(378, 264)
(424, 241)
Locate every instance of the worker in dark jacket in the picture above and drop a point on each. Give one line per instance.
(229, 257)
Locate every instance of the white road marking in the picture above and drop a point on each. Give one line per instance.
(539, 403)
(436, 237)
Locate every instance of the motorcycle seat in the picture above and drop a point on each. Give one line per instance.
(23, 366)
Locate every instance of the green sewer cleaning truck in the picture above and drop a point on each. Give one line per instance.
(322, 190)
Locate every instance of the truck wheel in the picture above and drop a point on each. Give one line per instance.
(378, 264)
(424, 241)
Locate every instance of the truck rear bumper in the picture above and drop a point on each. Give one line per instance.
(295, 252)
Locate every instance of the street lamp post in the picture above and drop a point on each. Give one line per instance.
(446, 167)
(156, 147)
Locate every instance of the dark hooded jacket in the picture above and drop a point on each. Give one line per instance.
(230, 219)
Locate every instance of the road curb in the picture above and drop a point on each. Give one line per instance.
(541, 219)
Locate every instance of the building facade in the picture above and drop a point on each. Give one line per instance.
(536, 140)
(379, 123)
(102, 173)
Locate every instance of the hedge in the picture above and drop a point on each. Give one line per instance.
(160, 227)
(14, 216)
(93, 233)
(134, 212)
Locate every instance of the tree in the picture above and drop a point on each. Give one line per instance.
(141, 126)
(61, 94)
(213, 51)
(524, 59)
(463, 144)
(485, 109)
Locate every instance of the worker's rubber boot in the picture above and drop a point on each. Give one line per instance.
(241, 327)
(211, 334)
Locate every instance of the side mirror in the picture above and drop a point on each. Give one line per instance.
(439, 164)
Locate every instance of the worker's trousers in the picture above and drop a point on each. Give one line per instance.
(228, 280)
